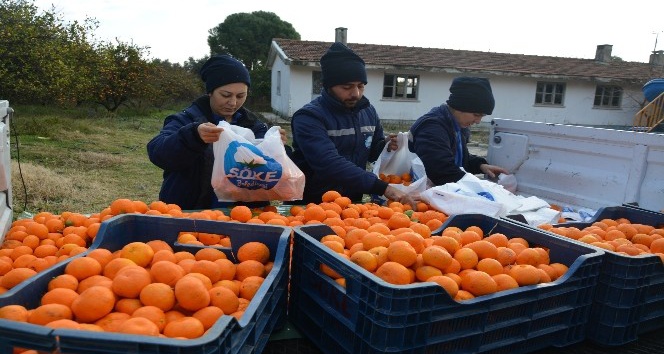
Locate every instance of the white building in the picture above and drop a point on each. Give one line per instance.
(406, 82)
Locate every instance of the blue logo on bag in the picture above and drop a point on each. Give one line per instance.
(247, 167)
(486, 195)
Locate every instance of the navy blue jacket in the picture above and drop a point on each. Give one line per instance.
(186, 160)
(332, 145)
(433, 138)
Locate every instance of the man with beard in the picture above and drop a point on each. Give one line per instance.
(337, 133)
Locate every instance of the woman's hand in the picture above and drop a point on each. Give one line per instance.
(209, 132)
(392, 193)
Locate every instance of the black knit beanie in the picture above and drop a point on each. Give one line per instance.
(222, 70)
(472, 95)
(341, 65)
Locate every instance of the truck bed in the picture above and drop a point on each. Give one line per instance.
(580, 167)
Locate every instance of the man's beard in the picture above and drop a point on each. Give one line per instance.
(350, 103)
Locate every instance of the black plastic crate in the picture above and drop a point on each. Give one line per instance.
(373, 316)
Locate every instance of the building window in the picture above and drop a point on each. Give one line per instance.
(400, 86)
(550, 93)
(608, 96)
(316, 82)
(278, 83)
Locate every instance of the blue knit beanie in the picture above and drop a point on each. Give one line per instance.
(222, 70)
(340, 65)
(472, 95)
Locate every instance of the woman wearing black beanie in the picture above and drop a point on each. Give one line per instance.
(183, 147)
(440, 137)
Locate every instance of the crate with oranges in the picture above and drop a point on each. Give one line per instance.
(338, 303)
(139, 288)
(629, 299)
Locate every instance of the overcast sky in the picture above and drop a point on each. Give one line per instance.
(178, 29)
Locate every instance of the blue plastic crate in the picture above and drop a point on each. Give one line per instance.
(249, 334)
(629, 299)
(373, 316)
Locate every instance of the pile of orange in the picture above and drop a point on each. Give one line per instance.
(148, 289)
(617, 235)
(33, 244)
(334, 209)
(466, 263)
(404, 178)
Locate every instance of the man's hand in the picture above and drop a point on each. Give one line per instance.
(392, 142)
(284, 137)
(395, 194)
(492, 171)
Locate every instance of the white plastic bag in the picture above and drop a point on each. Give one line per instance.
(246, 133)
(246, 172)
(414, 188)
(508, 182)
(448, 199)
(395, 162)
(541, 216)
(400, 162)
(417, 169)
(492, 191)
(471, 195)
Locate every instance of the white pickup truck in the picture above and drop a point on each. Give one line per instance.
(5, 169)
(580, 167)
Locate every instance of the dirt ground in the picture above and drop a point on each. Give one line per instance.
(479, 150)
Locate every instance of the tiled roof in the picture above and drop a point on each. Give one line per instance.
(460, 61)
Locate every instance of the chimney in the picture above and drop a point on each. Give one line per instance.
(603, 53)
(657, 57)
(340, 34)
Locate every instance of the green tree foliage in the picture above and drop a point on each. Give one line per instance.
(171, 84)
(194, 65)
(248, 36)
(260, 87)
(121, 73)
(41, 59)
(44, 60)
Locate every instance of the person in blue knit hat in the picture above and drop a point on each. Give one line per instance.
(440, 137)
(337, 133)
(183, 147)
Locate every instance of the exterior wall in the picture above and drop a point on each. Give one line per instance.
(302, 81)
(296, 83)
(515, 99)
(428, 96)
(280, 101)
(514, 95)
